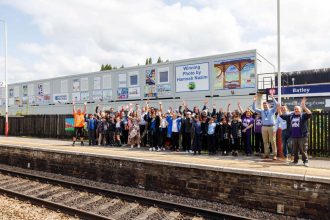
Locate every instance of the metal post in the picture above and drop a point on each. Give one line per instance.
(6, 84)
(279, 84)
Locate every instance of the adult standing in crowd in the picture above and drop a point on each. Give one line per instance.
(282, 128)
(79, 123)
(298, 127)
(268, 130)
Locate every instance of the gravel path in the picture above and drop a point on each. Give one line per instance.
(11, 209)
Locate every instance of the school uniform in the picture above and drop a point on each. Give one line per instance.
(186, 130)
(197, 133)
(236, 132)
(224, 137)
(91, 126)
(211, 142)
(173, 128)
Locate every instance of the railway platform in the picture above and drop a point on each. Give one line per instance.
(318, 168)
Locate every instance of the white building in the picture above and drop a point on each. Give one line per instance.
(225, 78)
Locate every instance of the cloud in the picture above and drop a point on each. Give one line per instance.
(84, 34)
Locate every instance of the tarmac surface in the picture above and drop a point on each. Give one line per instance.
(318, 170)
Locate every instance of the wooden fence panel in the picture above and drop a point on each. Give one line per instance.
(53, 126)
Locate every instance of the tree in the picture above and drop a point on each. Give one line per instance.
(167, 61)
(102, 67)
(150, 60)
(159, 60)
(106, 67)
(114, 68)
(122, 66)
(147, 61)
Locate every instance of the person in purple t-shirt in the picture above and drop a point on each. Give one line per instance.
(298, 130)
(247, 124)
(259, 144)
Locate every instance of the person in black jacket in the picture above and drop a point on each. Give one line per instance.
(224, 136)
(153, 120)
(236, 133)
(186, 130)
(298, 129)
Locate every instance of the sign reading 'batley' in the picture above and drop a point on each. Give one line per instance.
(303, 90)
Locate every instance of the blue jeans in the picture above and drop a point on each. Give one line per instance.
(286, 142)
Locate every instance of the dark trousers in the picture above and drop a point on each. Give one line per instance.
(186, 141)
(124, 136)
(259, 144)
(225, 145)
(286, 142)
(246, 139)
(300, 144)
(197, 143)
(154, 136)
(236, 144)
(162, 137)
(175, 140)
(204, 141)
(111, 140)
(91, 137)
(143, 135)
(211, 143)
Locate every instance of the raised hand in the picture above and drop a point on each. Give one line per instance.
(303, 102)
(255, 98)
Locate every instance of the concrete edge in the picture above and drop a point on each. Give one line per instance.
(300, 177)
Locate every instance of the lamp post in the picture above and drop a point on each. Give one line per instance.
(6, 85)
(279, 84)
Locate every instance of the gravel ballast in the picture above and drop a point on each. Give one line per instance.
(12, 209)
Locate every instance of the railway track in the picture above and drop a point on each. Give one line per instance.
(95, 203)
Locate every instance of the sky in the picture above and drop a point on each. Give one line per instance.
(64, 37)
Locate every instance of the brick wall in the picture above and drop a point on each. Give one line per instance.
(297, 197)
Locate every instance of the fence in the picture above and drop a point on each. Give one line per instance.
(53, 126)
(44, 126)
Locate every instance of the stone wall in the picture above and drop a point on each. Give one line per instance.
(291, 195)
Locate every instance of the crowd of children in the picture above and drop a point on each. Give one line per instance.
(189, 130)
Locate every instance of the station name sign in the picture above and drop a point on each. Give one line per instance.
(302, 90)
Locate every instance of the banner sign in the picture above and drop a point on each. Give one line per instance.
(69, 124)
(303, 90)
(234, 73)
(151, 77)
(164, 90)
(61, 97)
(192, 77)
(134, 92)
(150, 91)
(122, 93)
(97, 95)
